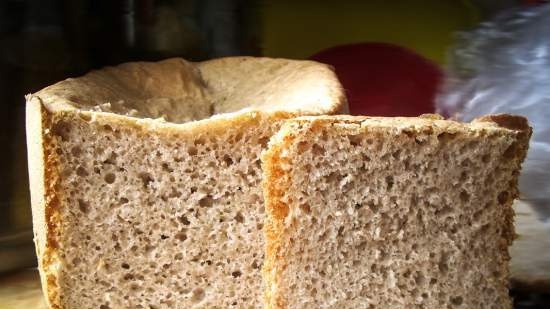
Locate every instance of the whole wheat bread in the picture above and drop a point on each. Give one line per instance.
(391, 212)
(145, 178)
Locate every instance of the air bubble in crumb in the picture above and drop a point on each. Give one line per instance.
(110, 178)
(146, 178)
(206, 201)
(457, 301)
(239, 218)
(236, 274)
(80, 171)
(198, 295)
(83, 206)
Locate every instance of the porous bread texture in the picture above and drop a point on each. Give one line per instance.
(391, 212)
(131, 212)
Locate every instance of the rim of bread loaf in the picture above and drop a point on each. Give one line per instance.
(498, 121)
(175, 93)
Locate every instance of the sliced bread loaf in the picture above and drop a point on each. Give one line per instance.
(145, 178)
(391, 212)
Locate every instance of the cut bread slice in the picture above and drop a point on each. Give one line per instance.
(145, 178)
(391, 212)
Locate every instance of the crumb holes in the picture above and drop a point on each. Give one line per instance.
(443, 262)
(238, 137)
(456, 301)
(463, 176)
(239, 218)
(433, 281)
(502, 197)
(178, 256)
(317, 150)
(464, 196)
(166, 167)
(396, 154)
(305, 208)
(125, 265)
(255, 265)
(200, 141)
(444, 211)
(206, 201)
(355, 140)
(123, 201)
(146, 178)
(181, 236)
(108, 128)
(236, 274)
(263, 141)
(183, 220)
(445, 137)
(62, 129)
(163, 237)
(76, 151)
(192, 150)
(419, 278)
(83, 206)
(227, 159)
(198, 295)
(485, 158)
(104, 307)
(109, 178)
(373, 207)
(82, 172)
(302, 147)
(358, 206)
(389, 182)
(128, 277)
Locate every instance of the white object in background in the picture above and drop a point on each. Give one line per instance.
(503, 66)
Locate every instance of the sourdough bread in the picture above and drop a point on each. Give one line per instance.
(145, 178)
(391, 212)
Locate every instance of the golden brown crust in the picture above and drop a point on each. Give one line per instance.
(44, 176)
(274, 184)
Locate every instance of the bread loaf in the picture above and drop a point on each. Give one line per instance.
(145, 179)
(391, 212)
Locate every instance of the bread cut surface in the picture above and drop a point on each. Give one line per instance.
(145, 179)
(391, 212)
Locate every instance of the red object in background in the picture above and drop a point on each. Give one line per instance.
(384, 79)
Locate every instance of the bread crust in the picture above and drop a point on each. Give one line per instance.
(44, 175)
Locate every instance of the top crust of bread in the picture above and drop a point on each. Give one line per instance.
(179, 91)
(170, 96)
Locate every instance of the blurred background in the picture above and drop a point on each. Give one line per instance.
(393, 57)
